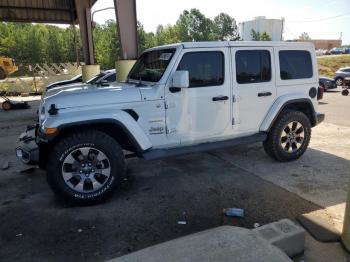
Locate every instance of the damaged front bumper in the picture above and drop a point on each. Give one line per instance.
(28, 150)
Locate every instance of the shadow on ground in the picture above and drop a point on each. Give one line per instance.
(143, 212)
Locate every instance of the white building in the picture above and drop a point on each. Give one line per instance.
(273, 27)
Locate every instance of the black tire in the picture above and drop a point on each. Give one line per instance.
(2, 74)
(6, 105)
(73, 143)
(339, 81)
(273, 144)
(345, 92)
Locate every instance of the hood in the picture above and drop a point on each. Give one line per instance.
(325, 78)
(78, 95)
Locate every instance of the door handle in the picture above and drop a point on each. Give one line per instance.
(220, 98)
(264, 94)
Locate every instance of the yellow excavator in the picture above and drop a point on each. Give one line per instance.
(7, 67)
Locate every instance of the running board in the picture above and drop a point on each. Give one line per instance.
(153, 154)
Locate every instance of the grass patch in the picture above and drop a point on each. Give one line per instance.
(327, 65)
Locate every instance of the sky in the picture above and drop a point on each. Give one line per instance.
(300, 15)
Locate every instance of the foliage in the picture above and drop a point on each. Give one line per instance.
(304, 36)
(256, 36)
(40, 43)
(327, 65)
(225, 27)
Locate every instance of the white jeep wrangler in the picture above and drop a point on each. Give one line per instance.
(178, 99)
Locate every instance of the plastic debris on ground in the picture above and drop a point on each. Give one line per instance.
(233, 212)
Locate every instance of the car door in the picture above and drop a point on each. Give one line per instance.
(202, 111)
(254, 84)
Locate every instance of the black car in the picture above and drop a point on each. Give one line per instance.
(105, 76)
(327, 83)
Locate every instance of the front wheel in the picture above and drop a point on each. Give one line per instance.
(85, 167)
(289, 137)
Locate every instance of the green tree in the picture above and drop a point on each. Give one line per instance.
(194, 26)
(256, 36)
(106, 44)
(225, 27)
(265, 37)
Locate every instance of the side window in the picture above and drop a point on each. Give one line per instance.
(253, 66)
(295, 64)
(205, 68)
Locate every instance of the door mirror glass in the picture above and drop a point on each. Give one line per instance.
(181, 79)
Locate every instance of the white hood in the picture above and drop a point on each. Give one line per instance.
(77, 95)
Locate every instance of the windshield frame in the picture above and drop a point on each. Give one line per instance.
(94, 79)
(165, 49)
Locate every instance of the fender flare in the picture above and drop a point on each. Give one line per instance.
(120, 118)
(279, 105)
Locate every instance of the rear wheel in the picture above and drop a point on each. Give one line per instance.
(84, 168)
(289, 137)
(339, 81)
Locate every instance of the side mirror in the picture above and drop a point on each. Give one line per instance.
(181, 79)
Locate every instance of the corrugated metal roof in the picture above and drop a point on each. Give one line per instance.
(40, 11)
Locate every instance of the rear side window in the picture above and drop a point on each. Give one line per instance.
(253, 66)
(295, 64)
(205, 68)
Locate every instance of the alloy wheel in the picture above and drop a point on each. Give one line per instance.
(86, 170)
(292, 137)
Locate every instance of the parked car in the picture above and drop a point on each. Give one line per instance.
(336, 51)
(75, 79)
(105, 76)
(326, 83)
(178, 99)
(347, 50)
(341, 74)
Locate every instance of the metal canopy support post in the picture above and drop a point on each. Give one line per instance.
(125, 11)
(83, 10)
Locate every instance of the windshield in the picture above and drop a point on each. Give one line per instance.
(96, 78)
(77, 77)
(151, 65)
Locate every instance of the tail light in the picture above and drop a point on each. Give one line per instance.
(320, 92)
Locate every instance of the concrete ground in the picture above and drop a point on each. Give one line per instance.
(34, 225)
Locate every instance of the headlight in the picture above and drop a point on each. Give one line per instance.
(42, 114)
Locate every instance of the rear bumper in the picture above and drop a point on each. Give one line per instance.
(28, 150)
(319, 118)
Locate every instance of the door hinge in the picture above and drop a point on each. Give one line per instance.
(234, 99)
(233, 121)
(166, 105)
